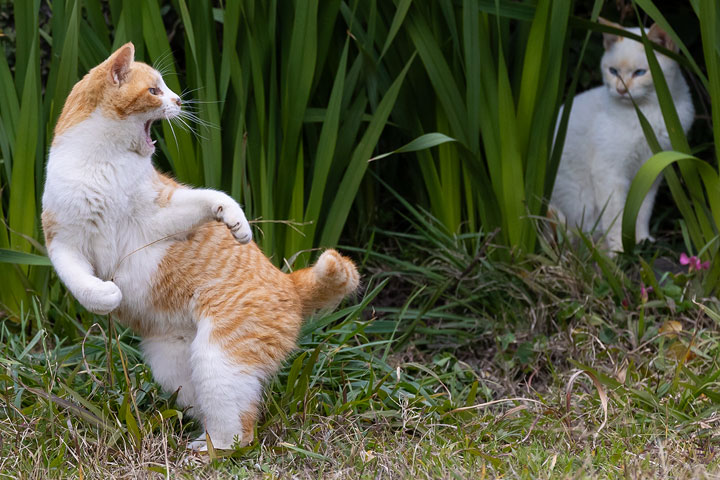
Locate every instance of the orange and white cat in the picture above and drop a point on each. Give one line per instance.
(175, 263)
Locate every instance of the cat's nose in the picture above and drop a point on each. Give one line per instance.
(178, 102)
(621, 90)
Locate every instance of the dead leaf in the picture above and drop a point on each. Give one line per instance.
(671, 328)
(680, 352)
(512, 411)
(598, 387)
(621, 374)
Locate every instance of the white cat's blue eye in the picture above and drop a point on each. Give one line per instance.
(614, 71)
(153, 91)
(639, 72)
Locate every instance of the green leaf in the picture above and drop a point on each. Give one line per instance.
(23, 258)
(358, 163)
(428, 140)
(326, 149)
(21, 212)
(644, 179)
(132, 425)
(437, 68)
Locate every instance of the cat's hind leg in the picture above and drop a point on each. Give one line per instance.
(169, 360)
(228, 391)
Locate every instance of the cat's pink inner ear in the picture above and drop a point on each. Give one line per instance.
(120, 63)
(661, 37)
(609, 38)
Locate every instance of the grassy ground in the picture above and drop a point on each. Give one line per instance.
(456, 366)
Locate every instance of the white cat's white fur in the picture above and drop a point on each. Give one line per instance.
(605, 146)
(100, 191)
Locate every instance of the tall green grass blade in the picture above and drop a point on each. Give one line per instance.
(534, 62)
(9, 109)
(67, 68)
(423, 142)
(653, 12)
(679, 142)
(21, 213)
(397, 21)
(439, 72)
(512, 198)
(710, 34)
(358, 163)
(647, 175)
(325, 149)
(564, 119)
(26, 27)
(23, 258)
(296, 94)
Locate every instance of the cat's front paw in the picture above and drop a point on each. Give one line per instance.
(233, 216)
(103, 298)
(642, 238)
(198, 446)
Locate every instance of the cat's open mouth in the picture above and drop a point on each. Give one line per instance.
(148, 139)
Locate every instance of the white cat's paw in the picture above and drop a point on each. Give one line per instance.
(198, 446)
(648, 237)
(103, 298)
(233, 216)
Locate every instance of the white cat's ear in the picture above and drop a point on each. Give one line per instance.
(610, 38)
(661, 37)
(120, 62)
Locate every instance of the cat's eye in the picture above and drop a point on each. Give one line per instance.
(153, 91)
(639, 72)
(614, 71)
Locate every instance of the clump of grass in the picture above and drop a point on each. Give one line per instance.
(358, 401)
(452, 365)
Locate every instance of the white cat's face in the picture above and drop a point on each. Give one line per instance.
(625, 68)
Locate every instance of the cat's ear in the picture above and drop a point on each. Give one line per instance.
(610, 38)
(661, 37)
(120, 62)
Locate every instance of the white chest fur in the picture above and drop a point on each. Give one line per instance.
(103, 200)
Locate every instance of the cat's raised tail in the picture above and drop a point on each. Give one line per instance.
(326, 283)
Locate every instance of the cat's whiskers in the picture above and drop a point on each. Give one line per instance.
(163, 63)
(188, 92)
(193, 101)
(186, 127)
(196, 119)
(173, 131)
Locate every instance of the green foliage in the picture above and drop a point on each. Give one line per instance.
(453, 358)
(502, 115)
(699, 207)
(280, 119)
(76, 400)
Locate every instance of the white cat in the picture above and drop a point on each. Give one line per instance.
(605, 146)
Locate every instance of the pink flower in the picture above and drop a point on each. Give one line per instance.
(644, 291)
(693, 262)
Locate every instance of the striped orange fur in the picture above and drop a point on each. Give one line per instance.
(255, 308)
